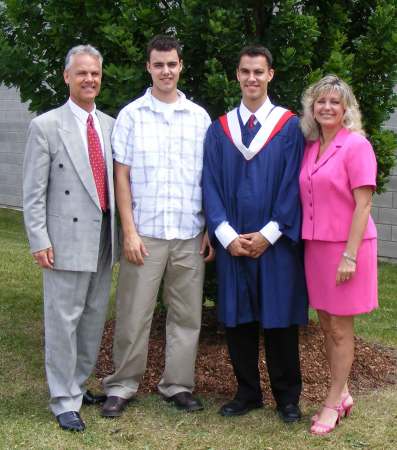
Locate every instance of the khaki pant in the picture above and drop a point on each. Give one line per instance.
(182, 266)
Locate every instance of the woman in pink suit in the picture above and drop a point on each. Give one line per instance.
(337, 180)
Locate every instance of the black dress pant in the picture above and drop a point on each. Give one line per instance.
(282, 360)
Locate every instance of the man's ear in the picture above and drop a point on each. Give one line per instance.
(271, 74)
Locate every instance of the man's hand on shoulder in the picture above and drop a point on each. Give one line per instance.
(206, 249)
(134, 249)
(45, 258)
(254, 243)
(236, 248)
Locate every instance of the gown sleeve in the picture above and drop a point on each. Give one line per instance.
(213, 196)
(287, 209)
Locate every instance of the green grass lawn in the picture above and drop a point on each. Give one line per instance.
(150, 423)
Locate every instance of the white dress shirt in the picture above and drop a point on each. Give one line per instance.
(81, 116)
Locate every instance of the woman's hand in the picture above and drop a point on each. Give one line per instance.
(346, 270)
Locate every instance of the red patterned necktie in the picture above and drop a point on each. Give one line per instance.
(251, 121)
(97, 163)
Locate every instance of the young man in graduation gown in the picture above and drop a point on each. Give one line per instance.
(251, 199)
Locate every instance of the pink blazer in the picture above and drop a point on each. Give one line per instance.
(326, 186)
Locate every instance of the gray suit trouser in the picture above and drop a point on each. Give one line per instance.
(75, 306)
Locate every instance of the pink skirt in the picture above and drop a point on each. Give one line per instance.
(359, 295)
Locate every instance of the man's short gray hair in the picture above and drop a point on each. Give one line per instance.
(82, 50)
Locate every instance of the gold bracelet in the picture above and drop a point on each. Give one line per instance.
(349, 258)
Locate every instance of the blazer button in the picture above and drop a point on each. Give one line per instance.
(60, 166)
(75, 219)
(67, 192)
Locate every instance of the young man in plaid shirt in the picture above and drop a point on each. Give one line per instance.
(158, 152)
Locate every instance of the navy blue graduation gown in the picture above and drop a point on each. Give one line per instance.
(248, 194)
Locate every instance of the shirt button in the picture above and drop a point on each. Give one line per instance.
(67, 192)
(311, 204)
(311, 217)
(310, 191)
(60, 166)
(75, 219)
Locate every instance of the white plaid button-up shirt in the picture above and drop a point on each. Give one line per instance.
(165, 153)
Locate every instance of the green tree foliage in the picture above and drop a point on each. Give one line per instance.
(356, 39)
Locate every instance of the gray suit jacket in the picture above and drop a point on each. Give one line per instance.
(60, 200)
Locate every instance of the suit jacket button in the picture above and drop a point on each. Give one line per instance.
(75, 219)
(67, 192)
(60, 166)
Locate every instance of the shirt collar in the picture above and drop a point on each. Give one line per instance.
(80, 113)
(148, 102)
(260, 115)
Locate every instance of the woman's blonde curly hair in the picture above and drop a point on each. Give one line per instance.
(330, 83)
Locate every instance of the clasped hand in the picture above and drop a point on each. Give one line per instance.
(252, 245)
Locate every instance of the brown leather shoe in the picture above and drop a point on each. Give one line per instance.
(185, 401)
(114, 406)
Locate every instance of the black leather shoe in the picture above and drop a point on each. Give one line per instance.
(114, 406)
(289, 413)
(185, 401)
(90, 399)
(239, 407)
(71, 421)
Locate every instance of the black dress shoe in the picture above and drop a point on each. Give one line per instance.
(90, 399)
(289, 413)
(239, 407)
(71, 421)
(114, 406)
(185, 401)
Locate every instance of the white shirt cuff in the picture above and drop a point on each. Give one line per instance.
(225, 234)
(271, 232)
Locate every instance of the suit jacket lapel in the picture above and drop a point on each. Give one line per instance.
(334, 146)
(70, 135)
(312, 153)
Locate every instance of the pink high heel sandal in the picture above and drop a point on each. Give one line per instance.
(323, 428)
(346, 405)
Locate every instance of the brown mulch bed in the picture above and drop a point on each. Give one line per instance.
(375, 366)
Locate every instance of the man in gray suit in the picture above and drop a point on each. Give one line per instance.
(69, 217)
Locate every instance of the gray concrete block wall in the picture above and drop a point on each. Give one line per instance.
(14, 121)
(384, 210)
